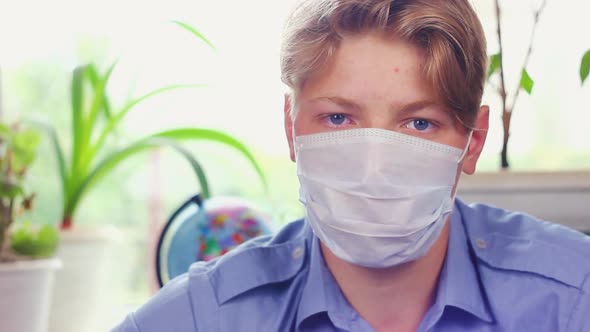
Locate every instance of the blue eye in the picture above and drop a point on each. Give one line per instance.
(420, 124)
(337, 119)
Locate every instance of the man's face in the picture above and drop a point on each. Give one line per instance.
(373, 82)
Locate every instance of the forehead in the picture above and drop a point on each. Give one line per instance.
(372, 68)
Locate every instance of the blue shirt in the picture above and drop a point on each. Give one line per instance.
(503, 272)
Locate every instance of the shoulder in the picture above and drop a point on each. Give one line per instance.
(257, 283)
(528, 265)
(168, 310)
(192, 301)
(516, 241)
(264, 260)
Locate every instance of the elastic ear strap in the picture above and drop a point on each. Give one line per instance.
(466, 149)
(293, 137)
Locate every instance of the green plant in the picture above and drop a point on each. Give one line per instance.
(18, 149)
(585, 66)
(94, 122)
(42, 242)
(526, 82)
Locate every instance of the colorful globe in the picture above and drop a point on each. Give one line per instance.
(206, 231)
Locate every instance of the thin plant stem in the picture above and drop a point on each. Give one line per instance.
(506, 109)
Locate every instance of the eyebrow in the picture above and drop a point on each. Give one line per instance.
(408, 108)
(342, 102)
(419, 105)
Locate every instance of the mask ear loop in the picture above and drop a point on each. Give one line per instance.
(293, 116)
(466, 149)
(294, 139)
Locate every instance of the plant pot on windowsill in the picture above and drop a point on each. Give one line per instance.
(82, 285)
(26, 288)
(26, 271)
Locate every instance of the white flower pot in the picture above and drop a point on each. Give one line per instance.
(79, 301)
(25, 293)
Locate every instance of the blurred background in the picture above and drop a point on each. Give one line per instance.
(41, 42)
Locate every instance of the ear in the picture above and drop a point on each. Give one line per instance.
(478, 140)
(289, 125)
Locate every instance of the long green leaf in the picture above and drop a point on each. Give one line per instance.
(110, 162)
(526, 82)
(77, 115)
(217, 136)
(195, 32)
(99, 95)
(112, 124)
(94, 78)
(585, 67)
(87, 154)
(59, 153)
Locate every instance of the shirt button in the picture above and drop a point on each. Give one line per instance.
(481, 243)
(297, 253)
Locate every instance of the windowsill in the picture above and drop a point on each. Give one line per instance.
(560, 197)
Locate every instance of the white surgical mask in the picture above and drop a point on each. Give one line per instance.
(374, 197)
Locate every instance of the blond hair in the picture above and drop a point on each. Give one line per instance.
(447, 30)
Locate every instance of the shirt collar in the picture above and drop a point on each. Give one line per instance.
(313, 298)
(459, 284)
(321, 294)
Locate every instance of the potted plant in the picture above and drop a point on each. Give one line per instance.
(557, 196)
(89, 160)
(27, 265)
(94, 122)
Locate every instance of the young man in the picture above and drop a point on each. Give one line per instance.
(382, 119)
